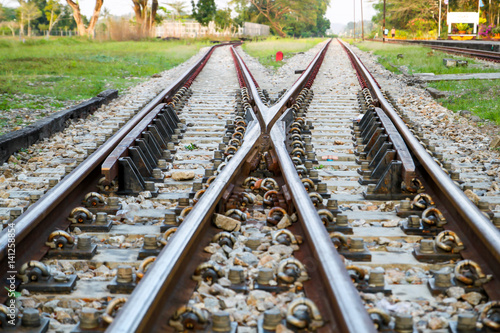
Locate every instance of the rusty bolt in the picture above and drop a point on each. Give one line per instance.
(236, 275)
(124, 274)
(101, 218)
(265, 275)
(341, 220)
(221, 322)
(427, 246)
(150, 186)
(84, 242)
(89, 318)
(31, 318)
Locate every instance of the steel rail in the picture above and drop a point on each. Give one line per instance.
(350, 314)
(477, 231)
(35, 224)
(489, 55)
(142, 311)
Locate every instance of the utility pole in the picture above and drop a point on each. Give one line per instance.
(383, 28)
(439, 23)
(362, 23)
(354, 6)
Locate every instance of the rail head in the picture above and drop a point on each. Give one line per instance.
(143, 303)
(478, 231)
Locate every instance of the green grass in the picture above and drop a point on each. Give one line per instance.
(265, 51)
(75, 69)
(418, 60)
(478, 96)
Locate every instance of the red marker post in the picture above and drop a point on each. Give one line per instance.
(279, 56)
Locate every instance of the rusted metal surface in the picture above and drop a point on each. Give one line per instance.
(403, 154)
(164, 281)
(348, 311)
(160, 285)
(486, 55)
(110, 165)
(49, 213)
(481, 238)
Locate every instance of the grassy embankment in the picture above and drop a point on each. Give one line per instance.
(265, 51)
(478, 96)
(71, 69)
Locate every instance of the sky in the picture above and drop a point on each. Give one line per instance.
(340, 11)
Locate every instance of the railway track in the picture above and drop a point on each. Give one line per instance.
(468, 52)
(228, 210)
(484, 55)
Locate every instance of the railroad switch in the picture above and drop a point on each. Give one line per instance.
(36, 277)
(386, 164)
(86, 221)
(446, 247)
(31, 321)
(63, 246)
(124, 282)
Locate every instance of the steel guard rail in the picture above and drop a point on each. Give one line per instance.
(477, 230)
(31, 224)
(350, 313)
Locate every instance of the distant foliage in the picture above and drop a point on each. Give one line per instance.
(204, 11)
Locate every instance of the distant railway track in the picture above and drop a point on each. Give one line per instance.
(468, 52)
(254, 228)
(485, 55)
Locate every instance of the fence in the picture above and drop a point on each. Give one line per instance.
(193, 29)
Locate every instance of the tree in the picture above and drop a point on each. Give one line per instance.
(2, 13)
(204, 11)
(29, 11)
(82, 30)
(145, 16)
(223, 18)
(53, 14)
(179, 8)
(12, 25)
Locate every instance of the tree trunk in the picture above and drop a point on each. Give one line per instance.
(29, 27)
(275, 25)
(154, 9)
(78, 18)
(138, 10)
(82, 31)
(95, 17)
